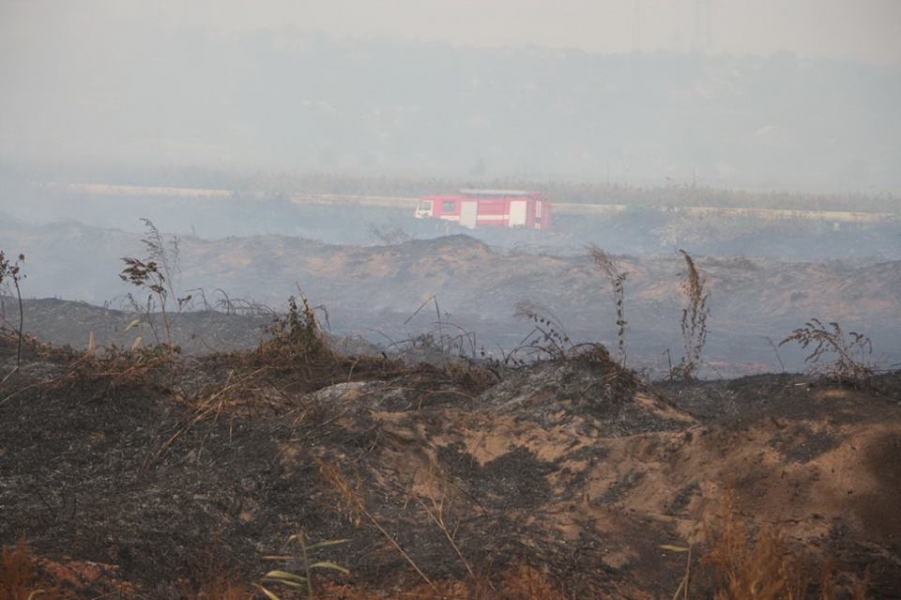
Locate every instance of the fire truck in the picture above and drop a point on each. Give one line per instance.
(489, 208)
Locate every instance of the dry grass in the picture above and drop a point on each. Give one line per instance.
(746, 565)
(528, 583)
(350, 498)
(113, 365)
(765, 565)
(115, 368)
(446, 342)
(851, 586)
(517, 582)
(761, 567)
(298, 336)
(19, 578)
(437, 505)
(302, 564)
(219, 587)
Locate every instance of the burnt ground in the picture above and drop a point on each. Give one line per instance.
(384, 292)
(146, 475)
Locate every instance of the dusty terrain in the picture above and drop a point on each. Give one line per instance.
(145, 475)
(373, 291)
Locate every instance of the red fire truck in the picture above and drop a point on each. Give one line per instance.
(498, 208)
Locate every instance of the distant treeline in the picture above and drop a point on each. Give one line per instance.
(584, 192)
(573, 192)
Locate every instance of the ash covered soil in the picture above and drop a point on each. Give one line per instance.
(144, 475)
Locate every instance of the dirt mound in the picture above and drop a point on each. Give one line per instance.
(80, 324)
(157, 468)
(451, 245)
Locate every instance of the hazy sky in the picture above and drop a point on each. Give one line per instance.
(184, 82)
(861, 29)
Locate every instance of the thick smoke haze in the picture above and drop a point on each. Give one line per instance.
(839, 29)
(778, 95)
(522, 298)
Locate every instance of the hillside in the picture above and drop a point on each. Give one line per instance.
(384, 418)
(378, 291)
(149, 475)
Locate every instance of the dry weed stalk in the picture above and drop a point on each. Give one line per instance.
(685, 583)
(298, 336)
(304, 560)
(852, 351)
(12, 271)
(694, 321)
(435, 510)
(240, 306)
(154, 273)
(351, 499)
(166, 257)
(452, 340)
(548, 338)
(617, 279)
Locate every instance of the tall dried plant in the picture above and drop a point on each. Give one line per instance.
(694, 320)
(155, 273)
(166, 256)
(12, 272)
(617, 279)
(852, 351)
(547, 340)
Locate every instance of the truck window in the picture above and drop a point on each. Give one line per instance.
(448, 206)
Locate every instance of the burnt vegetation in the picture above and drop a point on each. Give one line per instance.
(852, 352)
(617, 279)
(11, 274)
(296, 470)
(694, 320)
